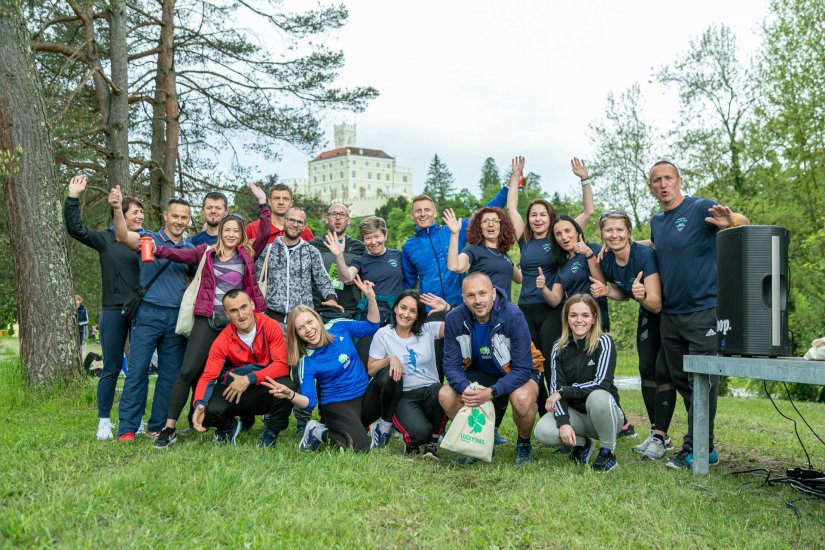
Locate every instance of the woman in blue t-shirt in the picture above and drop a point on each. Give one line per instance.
(348, 400)
(535, 242)
(632, 272)
(490, 236)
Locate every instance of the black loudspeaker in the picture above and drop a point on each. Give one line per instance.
(752, 290)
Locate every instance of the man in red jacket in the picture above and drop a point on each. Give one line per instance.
(246, 353)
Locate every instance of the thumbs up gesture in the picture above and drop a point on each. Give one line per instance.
(638, 288)
(541, 281)
(597, 288)
(580, 247)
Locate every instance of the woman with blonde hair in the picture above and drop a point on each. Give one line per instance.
(229, 264)
(349, 401)
(583, 399)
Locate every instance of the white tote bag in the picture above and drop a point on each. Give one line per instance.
(264, 272)
(186, 313)
(472, 432)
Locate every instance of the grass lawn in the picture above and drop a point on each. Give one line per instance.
(59, 487)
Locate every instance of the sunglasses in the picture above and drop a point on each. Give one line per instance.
(233, 216)
(614, 213)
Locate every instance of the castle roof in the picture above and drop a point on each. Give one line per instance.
(359, 151)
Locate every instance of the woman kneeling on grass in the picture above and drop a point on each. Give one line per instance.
(407, 345)
(349, 401)
(582, 396)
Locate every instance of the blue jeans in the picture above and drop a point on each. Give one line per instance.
(114, 330)
(153, 327)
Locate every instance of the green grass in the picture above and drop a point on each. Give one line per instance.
(59, 487)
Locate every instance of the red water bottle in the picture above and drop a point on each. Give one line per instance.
(147, 246)
(521, 180)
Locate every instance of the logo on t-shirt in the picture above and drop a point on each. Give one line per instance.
(344, 360)
(393, 262)
(680, 223)
(546, 247)
(333, 276)
(485, 352)
(411, 361)
(577, 265)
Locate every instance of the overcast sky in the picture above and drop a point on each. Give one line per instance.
(472, 79)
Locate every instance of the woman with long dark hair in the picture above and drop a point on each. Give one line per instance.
(229, 264)
(490, 236)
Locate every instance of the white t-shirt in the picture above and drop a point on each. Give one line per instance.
(249, 337)
(417, 354)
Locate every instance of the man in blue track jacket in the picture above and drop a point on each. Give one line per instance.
(486, 340)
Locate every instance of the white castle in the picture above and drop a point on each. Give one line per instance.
(361, 178)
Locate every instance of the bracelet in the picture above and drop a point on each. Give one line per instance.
(735, 221)
(293, 395)
(585, 181)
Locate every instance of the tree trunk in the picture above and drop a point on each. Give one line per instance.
(117, 137)
(48, 330)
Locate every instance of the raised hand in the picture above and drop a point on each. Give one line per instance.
(115, 197)
(721, 216)
(541, 280)
(518, 166)
(638, 288)
(436, 303)
(453, 223)
(579, 168)
(331, 242)
(597, 288)
(260, 196)
(366, 287)
(76, 186)
(580, 247)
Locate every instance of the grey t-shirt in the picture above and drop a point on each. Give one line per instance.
(417, 354)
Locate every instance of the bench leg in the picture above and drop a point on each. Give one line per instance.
(701, 421)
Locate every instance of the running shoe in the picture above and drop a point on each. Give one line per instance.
(642, 447)
(605, 462)
(153, 435)
(524, 453)
(655, 450)
(379, 438)
(230, 434)
(431, 451)
(104, 429)
(142, 429)
(627, 430)
(312, 436)
(127, 437)
(581, 455)
(167, 437)
(684, 459)
(498, 440)
(268, 438)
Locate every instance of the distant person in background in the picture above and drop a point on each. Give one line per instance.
(82, 323)
(280, 201)
(119, 269)
(214, 208)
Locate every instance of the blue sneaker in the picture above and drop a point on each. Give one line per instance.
(605, 462)
(581, 455)
(684, 459)
(230, 434)
(524, 453)
(498, 440)
(300, 427)
(312, 436)
(379, 438)
(268, 438)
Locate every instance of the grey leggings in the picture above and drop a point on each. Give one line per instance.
(602, 421)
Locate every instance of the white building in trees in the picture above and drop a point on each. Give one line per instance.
(362, 178)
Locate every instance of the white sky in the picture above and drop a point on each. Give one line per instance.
(472, 79)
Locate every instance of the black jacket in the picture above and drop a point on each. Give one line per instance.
(119, 265)
(348, 295)
(578, 373)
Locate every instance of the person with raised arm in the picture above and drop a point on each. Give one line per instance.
(119, 269)
(229, 265)
(490, 236)
(333, 377)
(280, 201)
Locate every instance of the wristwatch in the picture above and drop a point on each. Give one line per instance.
(493, 393)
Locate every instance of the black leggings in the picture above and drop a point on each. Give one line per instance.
(255, 400)
(419, 415)
(347, 421)
(194, 360)
(544, 323)
(658, 391)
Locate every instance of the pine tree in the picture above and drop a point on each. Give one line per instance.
(439, 185)
(490, 182)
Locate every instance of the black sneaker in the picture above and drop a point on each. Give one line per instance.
(166, 438)
(605, 462)
(431, 451)
(627, 431)
(581, 455)
(230, 434)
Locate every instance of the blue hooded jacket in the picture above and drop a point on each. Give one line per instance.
(509, 339)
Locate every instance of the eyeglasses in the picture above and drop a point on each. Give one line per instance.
(491, 221)
(337, 214)
(614, 213)
(293, 221)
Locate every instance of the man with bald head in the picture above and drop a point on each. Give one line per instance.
(486, 340)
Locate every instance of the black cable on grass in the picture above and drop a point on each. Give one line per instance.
(800, 414)
(795, 430)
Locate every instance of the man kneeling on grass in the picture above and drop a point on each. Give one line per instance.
(486, 340)
(246, 353)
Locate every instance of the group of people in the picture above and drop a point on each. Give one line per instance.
(285, 322)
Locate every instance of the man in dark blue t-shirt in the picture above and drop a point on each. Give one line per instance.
(684, 235)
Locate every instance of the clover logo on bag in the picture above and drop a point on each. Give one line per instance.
(476, 421)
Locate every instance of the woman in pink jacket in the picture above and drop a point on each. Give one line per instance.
(229, 264)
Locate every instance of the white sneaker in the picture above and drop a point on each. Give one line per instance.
(655, 450)
(642, 447)
(104, 429)
(142, 429)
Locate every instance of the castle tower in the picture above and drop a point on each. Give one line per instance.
(344, 135)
